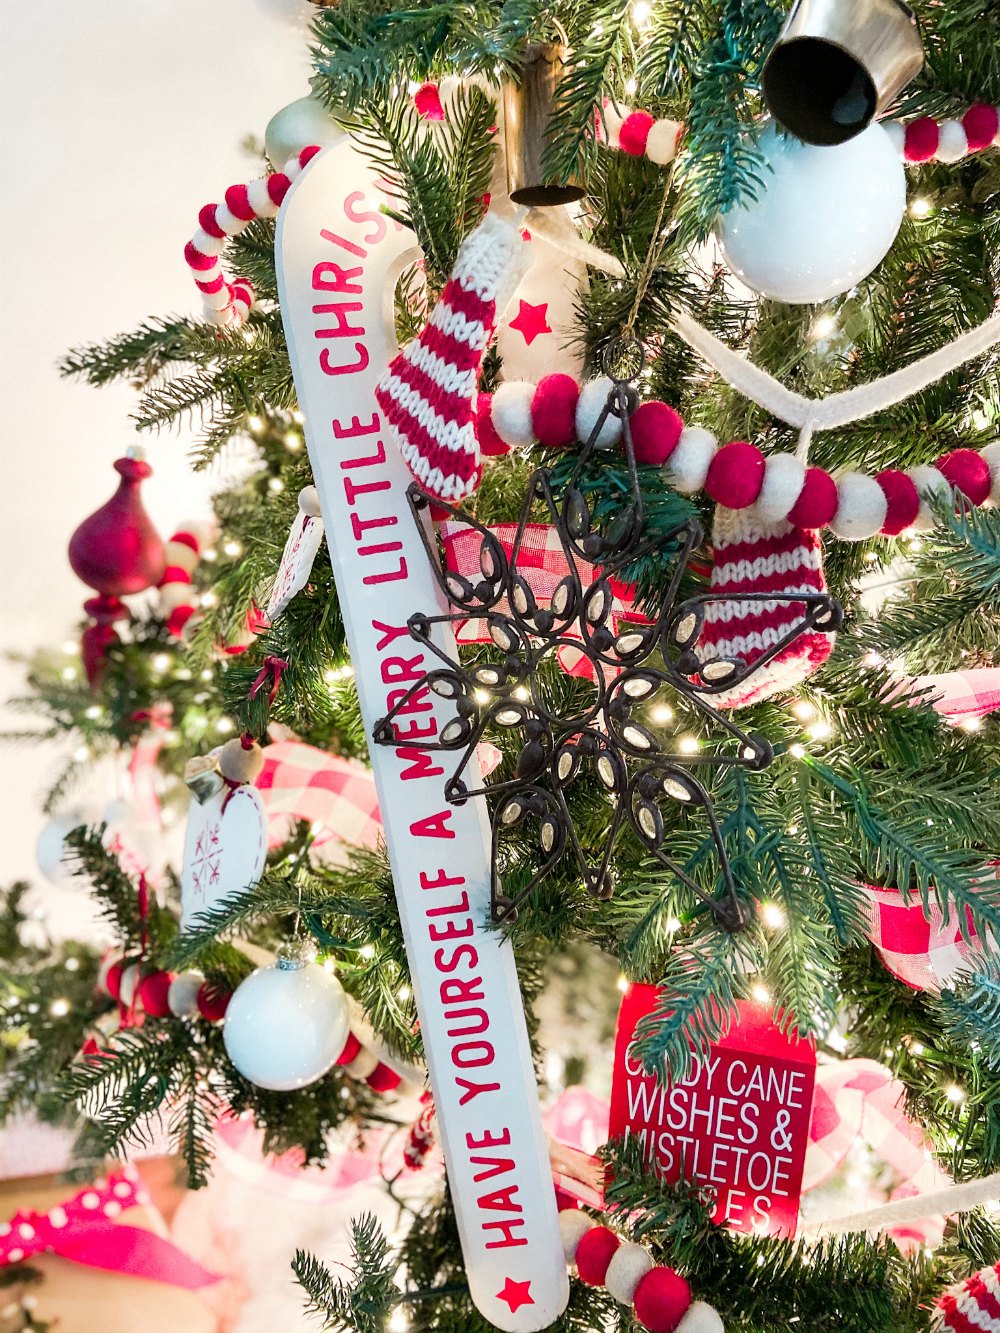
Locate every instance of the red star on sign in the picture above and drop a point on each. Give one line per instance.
(515, 1294)
(530, 320)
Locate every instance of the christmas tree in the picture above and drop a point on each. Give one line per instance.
(657, 581)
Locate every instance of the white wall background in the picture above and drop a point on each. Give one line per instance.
(121, 118)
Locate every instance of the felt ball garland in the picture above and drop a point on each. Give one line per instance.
(177, 603)
(972, 1305)
(227, 304)
(659, 1296)
(556, 411)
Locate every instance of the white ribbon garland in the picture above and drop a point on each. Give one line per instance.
(954, 1199)
(808, 414)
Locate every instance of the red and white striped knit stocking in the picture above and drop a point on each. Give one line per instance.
(752, 556)
(428, 392)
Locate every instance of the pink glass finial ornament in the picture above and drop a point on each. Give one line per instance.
(117, 552)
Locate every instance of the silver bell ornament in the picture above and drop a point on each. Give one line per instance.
(296, 126)
(839, 63)
(287, 1023)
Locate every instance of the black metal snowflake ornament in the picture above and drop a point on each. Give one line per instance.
(631, 663)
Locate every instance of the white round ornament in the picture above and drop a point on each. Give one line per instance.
(823, 217)
(286, 1023)
(51, 846)
(297, 126)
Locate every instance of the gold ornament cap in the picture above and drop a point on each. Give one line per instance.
(839, 63)
(527, 111)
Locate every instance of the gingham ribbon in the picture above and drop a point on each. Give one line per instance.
(542, 561)
(959, 695)
(302, 782)
(924, 952)
(299, 781)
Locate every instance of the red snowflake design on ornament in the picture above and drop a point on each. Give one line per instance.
(207, 856)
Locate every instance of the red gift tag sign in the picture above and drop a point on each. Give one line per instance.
(738, 1124)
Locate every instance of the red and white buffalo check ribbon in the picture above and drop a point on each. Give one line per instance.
(958, 695)
(542, 561)
(924, 952)
(301, 782)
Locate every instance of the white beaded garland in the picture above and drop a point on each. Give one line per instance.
(511, 413)
(861, 507)
(953, 142)
(589, 407)
(929, 483)
(700, 1318)
(573, 1226)
(992, 455)
(182, 996)
(629, 1265)
(784, 476)
(687, 467)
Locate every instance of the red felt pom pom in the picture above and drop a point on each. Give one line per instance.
(489, 441)
(178, 618)
(817, 502)
(113, 979)
(427, 101)
(968, 471)
(735, 475)
(635, 131)
(661, 1300)
(655, 428)
(593, 1255)
(981, 123)
(352, 1048)
(902, 501)
(213, 1001)
(153, 991)
(383, 1079)
(921, 141)
(553, 410)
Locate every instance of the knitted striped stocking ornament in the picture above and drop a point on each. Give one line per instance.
(428, 392)
(753, 556)
(972, 1306)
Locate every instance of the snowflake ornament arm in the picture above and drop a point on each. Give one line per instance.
(629, 663)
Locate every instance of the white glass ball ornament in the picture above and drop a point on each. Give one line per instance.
(297, 126)
(287, 1023)
(823, 217)
(51, 846)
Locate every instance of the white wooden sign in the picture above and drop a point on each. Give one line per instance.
(338, 259)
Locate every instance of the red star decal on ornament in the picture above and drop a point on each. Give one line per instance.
(530, 320)
(515, 1293)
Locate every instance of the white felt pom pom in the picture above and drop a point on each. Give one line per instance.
(180, 555)
(309, 501)
(613, 126)
(173, 595)
(182, 997)
(896, 131)
(687, 467)
(511, 413)
(589, 407)
(629, 1265)
(992, 455)
(861, 507)
(700, 1318)
(573, 1226)
(131, 976)
(784, 476)
(259, 199)
(929, 482)
(661, 144)
(953, 142)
